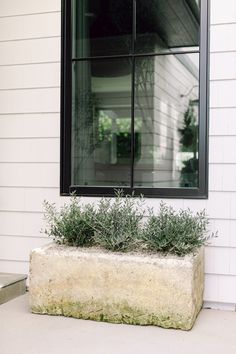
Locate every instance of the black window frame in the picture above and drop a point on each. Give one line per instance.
(66, 188)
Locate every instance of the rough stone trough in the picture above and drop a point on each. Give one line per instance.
(144, 289)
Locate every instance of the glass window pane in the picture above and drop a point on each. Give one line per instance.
(167, 25)
(166, 121)
(101, 123)
(101, 27)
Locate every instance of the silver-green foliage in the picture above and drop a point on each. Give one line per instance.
(174, 232)
(72, 224)
(117, 222)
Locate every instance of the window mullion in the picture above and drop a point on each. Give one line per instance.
(132, 122)
(132, 142)
(134, 27)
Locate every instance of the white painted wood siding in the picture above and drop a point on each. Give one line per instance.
(29, 137)
(221, 255)
(29, 124)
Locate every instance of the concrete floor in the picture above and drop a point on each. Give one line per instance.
(24, 333)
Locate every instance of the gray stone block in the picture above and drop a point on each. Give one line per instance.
(122, 288)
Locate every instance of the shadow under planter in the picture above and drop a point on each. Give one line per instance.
(93, 284)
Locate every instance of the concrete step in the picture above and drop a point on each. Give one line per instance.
(11, 286)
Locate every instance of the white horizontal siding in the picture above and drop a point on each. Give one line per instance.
(216, 153)
(220, 260)
(40, 125)
(30, 76)
(19, 199)
(29, 150)
(223, 12)
(217, 260)
(211, 288)
(21, 7)
(222, 149)
(29, 174)
(232, 234)
(30, 51)
(223, 122)
(227, 289)
(21, 249)
(215, 178)
(220, 288)
(232, 261)
(223, 66)
(12, 266)
(222, 38)
(25, 224)
(218, 205)
(223, 227)
(222, 93)
(29, 125)
(27, 27)
(233, 207)
(222, 177)
(30, 101)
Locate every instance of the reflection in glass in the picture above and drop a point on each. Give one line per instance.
(101, 123)
(101, 27)
(166, 118)
(165, 25)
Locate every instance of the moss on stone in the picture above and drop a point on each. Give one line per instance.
(100, 286)
(115, 313)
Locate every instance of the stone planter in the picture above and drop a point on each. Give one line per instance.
(114, 287)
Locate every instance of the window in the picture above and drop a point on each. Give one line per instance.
(134, 97)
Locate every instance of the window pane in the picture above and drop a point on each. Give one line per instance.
(101, 124)
(165, 25)
(166, 121)
(101, 27)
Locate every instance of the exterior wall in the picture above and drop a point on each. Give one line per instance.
(29, 137)
(29, 124)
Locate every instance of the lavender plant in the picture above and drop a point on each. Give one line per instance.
(72, 224)
(174, 232)
(117, 224)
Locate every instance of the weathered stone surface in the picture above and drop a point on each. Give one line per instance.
(113, 287)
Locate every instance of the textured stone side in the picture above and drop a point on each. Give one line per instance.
(119, 288)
